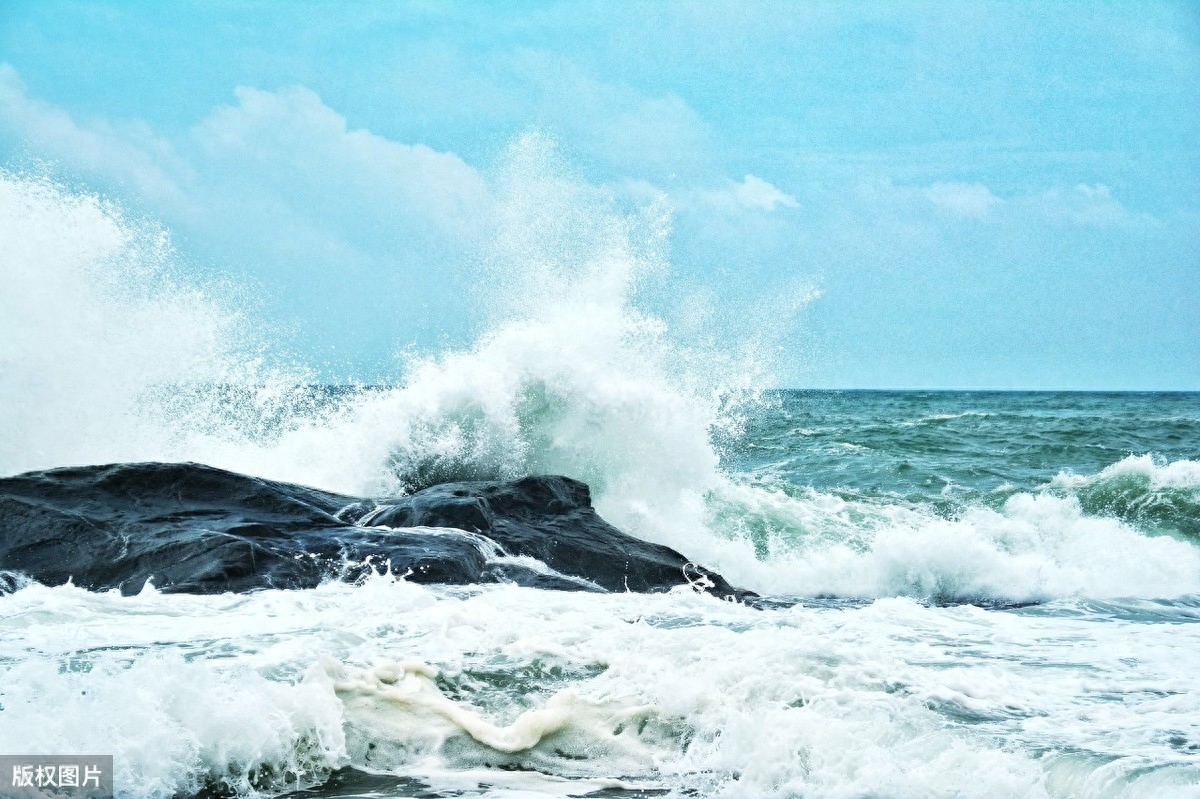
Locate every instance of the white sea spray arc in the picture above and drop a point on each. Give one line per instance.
(570, 375)
(107, 351)
(110, 354)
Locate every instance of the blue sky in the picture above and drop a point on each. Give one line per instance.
(983, 195)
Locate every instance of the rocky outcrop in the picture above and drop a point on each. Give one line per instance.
(196, 529)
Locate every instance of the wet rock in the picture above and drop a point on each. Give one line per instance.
(196, 529)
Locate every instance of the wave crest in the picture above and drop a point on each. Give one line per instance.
(1035, 547)
(1153, 494)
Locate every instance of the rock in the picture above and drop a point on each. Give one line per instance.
(196, 529)
(550, 519)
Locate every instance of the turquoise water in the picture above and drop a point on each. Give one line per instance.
(951, 450)
(925, 446)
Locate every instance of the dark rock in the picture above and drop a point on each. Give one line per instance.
(195, 529)
(550, 519)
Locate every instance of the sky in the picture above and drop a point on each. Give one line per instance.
(904, 195)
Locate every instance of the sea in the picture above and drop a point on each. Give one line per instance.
(961, 594)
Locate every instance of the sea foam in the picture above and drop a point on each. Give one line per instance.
(273, 690)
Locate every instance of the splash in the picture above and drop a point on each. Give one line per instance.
(106, 354)
(110, 356)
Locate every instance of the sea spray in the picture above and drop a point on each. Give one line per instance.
(570, 376)
(107, 352)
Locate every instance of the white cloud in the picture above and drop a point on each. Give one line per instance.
(332, 222)
(756, 193)
(1085, 204)
(1089, 205)
(290, 138)
(751, 194)
(289, 150)
(130, 154)
(963, 200)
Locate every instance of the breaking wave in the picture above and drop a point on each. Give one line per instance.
(108, 354)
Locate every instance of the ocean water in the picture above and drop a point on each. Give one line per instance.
(965, 594)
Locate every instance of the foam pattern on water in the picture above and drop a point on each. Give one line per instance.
(891, 698)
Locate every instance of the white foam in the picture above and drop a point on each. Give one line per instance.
(676, 690)
(1036, 547)
(1158, 473)
(173, 725)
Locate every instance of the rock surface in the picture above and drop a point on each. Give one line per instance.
(195, 529)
